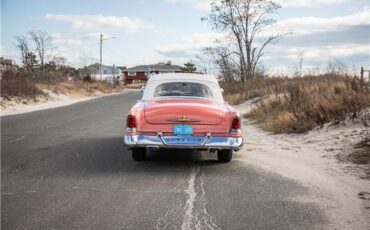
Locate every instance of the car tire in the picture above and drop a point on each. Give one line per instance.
(139, 154)
(225, 155)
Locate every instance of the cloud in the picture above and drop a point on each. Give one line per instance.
(307, 3)
(198, 4)
(9, 52)
(319, 52)
(100, 22)
(189, 45)
(67, 41)
(59, 40)
(311, 25)
(205, 4)
(300, 27)
(284, 59)
(354, 34)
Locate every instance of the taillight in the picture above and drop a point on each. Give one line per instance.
(131, 121)
(236, 125)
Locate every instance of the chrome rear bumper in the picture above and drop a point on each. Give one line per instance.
(183, 142)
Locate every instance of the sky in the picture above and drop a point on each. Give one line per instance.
(151, 31)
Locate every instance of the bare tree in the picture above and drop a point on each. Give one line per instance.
(224, 62)
(202, 64)
(43, 45)
(22, 44)
(59, 61)
(246, 21)
(298, 69)
(84, 61)
(336, 67)
(29, 59)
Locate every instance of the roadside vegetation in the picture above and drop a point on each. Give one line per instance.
(299, 104)
(43, 73)
(30, 85)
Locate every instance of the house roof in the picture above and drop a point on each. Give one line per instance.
(156, 67)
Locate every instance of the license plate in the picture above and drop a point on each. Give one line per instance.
(184, 140)
(183, 130)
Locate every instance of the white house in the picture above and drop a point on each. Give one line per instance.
(109, 73)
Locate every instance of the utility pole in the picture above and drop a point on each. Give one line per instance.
(101, 54)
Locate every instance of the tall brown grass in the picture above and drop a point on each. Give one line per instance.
(238, 92)
(30, 85)
(296, 105)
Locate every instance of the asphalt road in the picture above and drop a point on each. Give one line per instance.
(66, 168)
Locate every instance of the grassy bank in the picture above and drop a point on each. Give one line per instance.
(32, 85)
(296, 105)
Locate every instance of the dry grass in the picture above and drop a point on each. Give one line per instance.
(21, 84)
(28, 88)
(296, 105)
(238, 92)
(30, 85)
(135, 85)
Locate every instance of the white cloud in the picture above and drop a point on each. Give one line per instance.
(308, 3)
(11, 52)
(189, 45)
(205, 4)
(310, 25)
(299, 26)
(59, 40)
(67, 41)
(284, 60)
(96, 36)
(100, 22)
(318, 53)
(198, 4)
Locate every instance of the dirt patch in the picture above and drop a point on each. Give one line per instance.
(361, 155)
(312, 160)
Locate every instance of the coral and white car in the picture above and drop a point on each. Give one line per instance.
(182, 111)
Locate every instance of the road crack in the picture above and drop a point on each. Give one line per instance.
(196, 214)
(189, 205)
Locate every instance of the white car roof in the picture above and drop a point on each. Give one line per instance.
(181, 76)
(157, 79)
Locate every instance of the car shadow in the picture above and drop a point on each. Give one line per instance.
(109, 155)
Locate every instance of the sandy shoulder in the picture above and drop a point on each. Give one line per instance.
(311, 160)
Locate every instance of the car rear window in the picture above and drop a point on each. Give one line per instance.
(182, 89)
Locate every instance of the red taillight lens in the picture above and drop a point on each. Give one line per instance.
(236, 124)
(131, 121)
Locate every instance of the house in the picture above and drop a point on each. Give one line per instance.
(140, 73)
(7, 64)
(108, 72)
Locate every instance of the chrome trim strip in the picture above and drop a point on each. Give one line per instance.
(159, 141)
(130, 130)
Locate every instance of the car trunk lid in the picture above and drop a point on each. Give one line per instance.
(187, 111)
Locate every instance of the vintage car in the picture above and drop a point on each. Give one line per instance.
(182, 111)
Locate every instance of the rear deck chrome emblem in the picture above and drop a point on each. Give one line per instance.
(183, 118)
